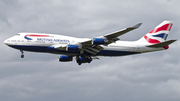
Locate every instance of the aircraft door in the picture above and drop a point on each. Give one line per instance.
(137, 48)
(28, 41)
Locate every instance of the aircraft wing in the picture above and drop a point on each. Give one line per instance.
(109, 38)
(112, 37)
(60, 46)
(89, 47)
(121, 32)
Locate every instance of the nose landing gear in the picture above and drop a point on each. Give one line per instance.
(22, 55)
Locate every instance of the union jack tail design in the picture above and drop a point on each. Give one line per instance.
(158, 34)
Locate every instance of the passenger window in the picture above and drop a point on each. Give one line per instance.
(13, 40)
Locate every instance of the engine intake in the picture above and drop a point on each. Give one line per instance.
(98, 41)
(65, 58)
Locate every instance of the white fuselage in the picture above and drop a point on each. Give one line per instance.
(84, 48)
(39, 42)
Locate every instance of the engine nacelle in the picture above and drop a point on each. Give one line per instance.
(98, 41)
(72, 48)
(65, 58)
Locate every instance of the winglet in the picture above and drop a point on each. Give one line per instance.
(162, 44)
(137, 25)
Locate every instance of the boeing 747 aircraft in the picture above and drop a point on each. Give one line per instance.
(85, 49)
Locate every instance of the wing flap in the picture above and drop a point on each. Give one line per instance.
(93, 50)
(89, 51)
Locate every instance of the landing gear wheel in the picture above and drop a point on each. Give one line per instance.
(79, 63)
(89, 60)
(22, 56)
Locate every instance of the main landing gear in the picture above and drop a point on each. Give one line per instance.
(22, 55)
(83, 59)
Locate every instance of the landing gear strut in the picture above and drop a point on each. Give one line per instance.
(22, 55)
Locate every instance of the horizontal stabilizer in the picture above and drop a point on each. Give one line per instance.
(162, 44)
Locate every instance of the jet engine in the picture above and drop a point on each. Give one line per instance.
(65, 58)
(72, 48)
(98, 41)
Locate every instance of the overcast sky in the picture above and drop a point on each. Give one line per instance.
(145, 77)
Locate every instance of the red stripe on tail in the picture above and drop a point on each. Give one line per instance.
(162, 28)
(152, 41)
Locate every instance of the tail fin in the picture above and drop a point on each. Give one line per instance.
(158, 34)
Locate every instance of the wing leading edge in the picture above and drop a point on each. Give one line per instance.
(121, 32)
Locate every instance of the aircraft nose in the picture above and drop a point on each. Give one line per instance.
(6, 42)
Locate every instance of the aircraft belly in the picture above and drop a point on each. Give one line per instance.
(118, 51)
(45, 49)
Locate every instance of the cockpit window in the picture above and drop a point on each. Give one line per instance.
(17, 34)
